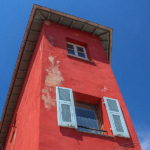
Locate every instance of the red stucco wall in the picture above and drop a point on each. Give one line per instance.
(36, 121)
(24, 132)
(94, 78)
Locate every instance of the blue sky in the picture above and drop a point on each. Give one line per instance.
(130, 20)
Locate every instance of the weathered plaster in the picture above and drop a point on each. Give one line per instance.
(104, 89)
(52, 79)
(13, 139)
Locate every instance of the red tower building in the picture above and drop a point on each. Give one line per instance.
(63, 95)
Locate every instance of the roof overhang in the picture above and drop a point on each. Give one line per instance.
(38, 15)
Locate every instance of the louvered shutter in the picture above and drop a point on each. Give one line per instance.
(116, 118)
(65, 107)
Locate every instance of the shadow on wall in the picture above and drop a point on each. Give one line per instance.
(123, 143)
(78, 135)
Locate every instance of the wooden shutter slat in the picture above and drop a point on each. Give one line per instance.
(65, 107)
(116, 117)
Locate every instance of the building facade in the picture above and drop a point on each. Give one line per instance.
(63, 93)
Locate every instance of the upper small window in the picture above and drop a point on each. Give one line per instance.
(77, 50)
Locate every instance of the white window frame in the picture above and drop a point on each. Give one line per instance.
(76, 51)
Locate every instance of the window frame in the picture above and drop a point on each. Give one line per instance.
(94, 109)
(76, 51)
(72, 123)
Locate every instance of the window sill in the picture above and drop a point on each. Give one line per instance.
(82, 59)
(90, 133)
(102, 132)
(103, 135)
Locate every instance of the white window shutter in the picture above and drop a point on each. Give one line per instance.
(116, 118)
(65, 107)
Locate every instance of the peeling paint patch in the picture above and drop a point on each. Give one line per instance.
(52, 79)
(104, 89)
(13, 138)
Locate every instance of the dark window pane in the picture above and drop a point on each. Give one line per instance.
(71, 52)
(118, 123)
(83, 112)
(81, 54)
(70, 49)
(70, 46)
(80, 49)
(66, 114)
(86, 118)
(87, 122)
(64, 94)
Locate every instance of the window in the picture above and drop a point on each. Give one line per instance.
(84, 117)
(87, 118)
(77, 51)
